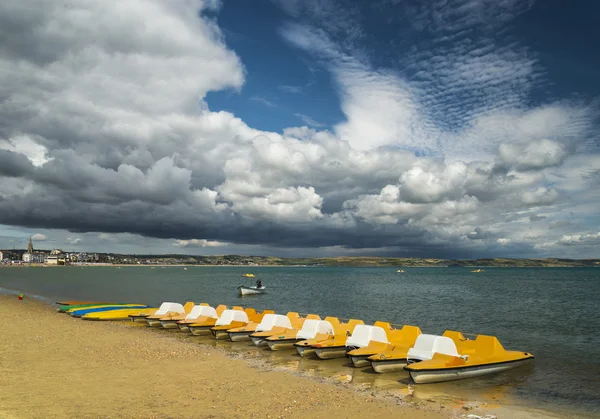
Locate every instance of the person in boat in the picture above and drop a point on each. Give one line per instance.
(258, 283)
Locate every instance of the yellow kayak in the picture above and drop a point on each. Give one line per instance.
(118, 314)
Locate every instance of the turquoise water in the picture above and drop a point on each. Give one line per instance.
(551, 312)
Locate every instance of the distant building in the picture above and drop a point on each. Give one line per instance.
(56, 260)
(30, 246)
(56, 252)
(1, 256)
(34, 257)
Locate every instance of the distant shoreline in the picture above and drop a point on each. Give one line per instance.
(249, 267)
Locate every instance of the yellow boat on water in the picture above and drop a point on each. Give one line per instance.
(397, 338)
(395, 359)
(248, 275)
(482, 356)
(276, 324)
(311, 329)
(341, 331)
(220, 330)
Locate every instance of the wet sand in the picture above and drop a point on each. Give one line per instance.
(55, 366)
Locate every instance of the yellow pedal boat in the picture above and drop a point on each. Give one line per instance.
(311, 329)
(243, 333)
(164, 309)
(277, 324)
(341, 331)
(397, 338)
(220, 330)
(482, 356)
(174, 310)
(360, 337)
(202, 325)
(170, 320)
(395, 359)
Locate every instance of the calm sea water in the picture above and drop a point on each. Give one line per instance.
(550, 312)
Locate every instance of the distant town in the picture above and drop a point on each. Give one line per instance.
(58, 257)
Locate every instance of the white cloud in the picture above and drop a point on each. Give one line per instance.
(74, 240)
(94, 141)
(38, 237)
(585, 239)
(198, 243)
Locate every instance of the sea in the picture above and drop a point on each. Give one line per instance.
(550, 312)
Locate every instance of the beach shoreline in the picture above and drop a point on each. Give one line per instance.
(41, 346)
(58, 366)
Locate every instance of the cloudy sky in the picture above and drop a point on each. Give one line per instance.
(446, 128)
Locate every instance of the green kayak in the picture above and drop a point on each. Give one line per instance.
(65, 308)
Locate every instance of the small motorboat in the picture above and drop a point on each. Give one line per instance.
(400, 270)
(481, 356)
(478, 270)
(244, 290)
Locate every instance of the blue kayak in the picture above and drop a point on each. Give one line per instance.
(79, 313)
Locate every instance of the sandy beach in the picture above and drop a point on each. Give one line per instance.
(55, 366)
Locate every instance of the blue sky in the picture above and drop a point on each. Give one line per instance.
(459, 128)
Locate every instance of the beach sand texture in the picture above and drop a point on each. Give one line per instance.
(54, 366)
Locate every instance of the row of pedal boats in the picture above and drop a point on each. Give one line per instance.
(382, 346)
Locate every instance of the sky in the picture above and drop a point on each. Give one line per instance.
(432, 128)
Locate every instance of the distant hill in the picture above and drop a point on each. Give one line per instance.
(237, 260)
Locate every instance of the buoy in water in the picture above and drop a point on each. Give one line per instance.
(20, 296)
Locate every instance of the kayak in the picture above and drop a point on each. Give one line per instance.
(65, 308)
(79, 313)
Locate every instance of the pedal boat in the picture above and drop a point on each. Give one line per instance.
(341, 332)
(311, 329)
(155, 319)
(278, 324)
(184, 324)
(395, 358)
(98, 309)
(165, 308)
(202, 325)
(238, 334)
(221, 328)
(227, 318)
(482, 356)
(170, 321)
(401, 338)
(360, 337)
